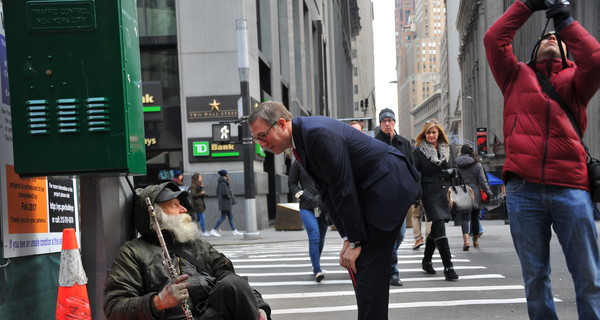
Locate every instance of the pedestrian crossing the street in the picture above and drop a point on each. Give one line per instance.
(282, 272)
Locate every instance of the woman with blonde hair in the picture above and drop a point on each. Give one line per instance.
(434, 158)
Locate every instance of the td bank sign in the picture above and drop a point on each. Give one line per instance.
(205, 150)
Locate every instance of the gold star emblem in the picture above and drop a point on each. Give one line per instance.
(214, 105)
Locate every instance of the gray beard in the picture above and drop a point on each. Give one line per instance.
(182, 226)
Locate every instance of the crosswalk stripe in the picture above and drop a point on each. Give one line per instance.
(344, 271)
(331, 282)
(245, 264)
(406, 305)
(300, 295)
(307, 258)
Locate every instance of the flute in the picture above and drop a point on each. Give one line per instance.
(166, 257)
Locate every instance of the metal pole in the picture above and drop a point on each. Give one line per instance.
(247, 142)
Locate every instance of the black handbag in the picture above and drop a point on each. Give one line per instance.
(593, 165)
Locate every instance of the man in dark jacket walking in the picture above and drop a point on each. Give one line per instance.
(545, 169)
(387, 134)
(139, 285)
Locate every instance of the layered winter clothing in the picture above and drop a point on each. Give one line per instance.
(197, 194)
(540, 142)
(224, 194)
(397, 142)
(138, 273)
(545, 167)
(473, 174)
(434, 189)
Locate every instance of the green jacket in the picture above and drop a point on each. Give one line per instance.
(138, 273)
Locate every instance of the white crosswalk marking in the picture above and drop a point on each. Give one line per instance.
(282, 272)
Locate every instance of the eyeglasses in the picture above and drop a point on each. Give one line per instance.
(433, 121)
(386, 121)
(263, 136)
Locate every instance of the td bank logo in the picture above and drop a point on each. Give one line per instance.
(201, 148)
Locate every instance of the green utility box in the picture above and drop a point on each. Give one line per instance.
(75, 86)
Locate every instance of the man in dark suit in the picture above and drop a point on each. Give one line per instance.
(366, 185)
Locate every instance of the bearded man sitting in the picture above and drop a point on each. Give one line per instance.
(139, 285)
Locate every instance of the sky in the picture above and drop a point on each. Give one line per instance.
(385, 55)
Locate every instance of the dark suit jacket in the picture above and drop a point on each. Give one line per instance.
(361, 180)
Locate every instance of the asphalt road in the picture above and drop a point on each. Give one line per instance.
(490, 284)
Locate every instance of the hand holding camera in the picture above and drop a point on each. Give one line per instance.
(559, 11)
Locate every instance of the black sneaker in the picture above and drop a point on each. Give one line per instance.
(395, 281)
(450, 274)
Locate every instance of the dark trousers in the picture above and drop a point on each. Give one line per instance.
(231, 298)
(373, 276)
(473, 217)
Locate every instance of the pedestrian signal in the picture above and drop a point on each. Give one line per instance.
(221, 132)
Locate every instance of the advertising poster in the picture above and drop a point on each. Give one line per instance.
(34, 211)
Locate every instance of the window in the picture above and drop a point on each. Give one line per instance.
(156, 17)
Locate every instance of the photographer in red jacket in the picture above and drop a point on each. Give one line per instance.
(545, 168)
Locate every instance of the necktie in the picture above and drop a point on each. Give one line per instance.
(296, 155)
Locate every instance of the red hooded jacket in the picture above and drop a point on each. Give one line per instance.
(540, 142)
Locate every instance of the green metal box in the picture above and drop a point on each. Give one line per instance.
(75, 86)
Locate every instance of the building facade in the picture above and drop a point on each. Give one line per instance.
(303, 53)
(419, 58)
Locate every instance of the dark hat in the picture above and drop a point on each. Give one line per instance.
(176, 173)
(222, 172)
(386, 113)
(167, 194)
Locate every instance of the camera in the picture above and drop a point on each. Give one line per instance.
(558, 2)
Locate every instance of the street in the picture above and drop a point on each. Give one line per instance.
(490, 284)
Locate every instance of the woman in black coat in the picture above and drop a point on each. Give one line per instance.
(433, 157)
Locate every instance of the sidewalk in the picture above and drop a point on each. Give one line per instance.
(270, 235)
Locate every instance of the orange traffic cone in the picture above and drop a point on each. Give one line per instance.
(73, 301)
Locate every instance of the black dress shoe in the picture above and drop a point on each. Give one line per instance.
(319, 276)
(428, 267)
(395, 281)
(450, 274)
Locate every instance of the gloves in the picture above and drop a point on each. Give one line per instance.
(536, 5)
(173, 293)
(560, 13)
(446, 174)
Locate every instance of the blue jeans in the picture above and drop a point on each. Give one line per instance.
(533, 209)
(316, 228)
(200, 216)
(394, 265)
(225, 214)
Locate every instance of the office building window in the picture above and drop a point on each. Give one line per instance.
(156, 17)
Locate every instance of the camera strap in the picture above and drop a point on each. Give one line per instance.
(549, 90)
